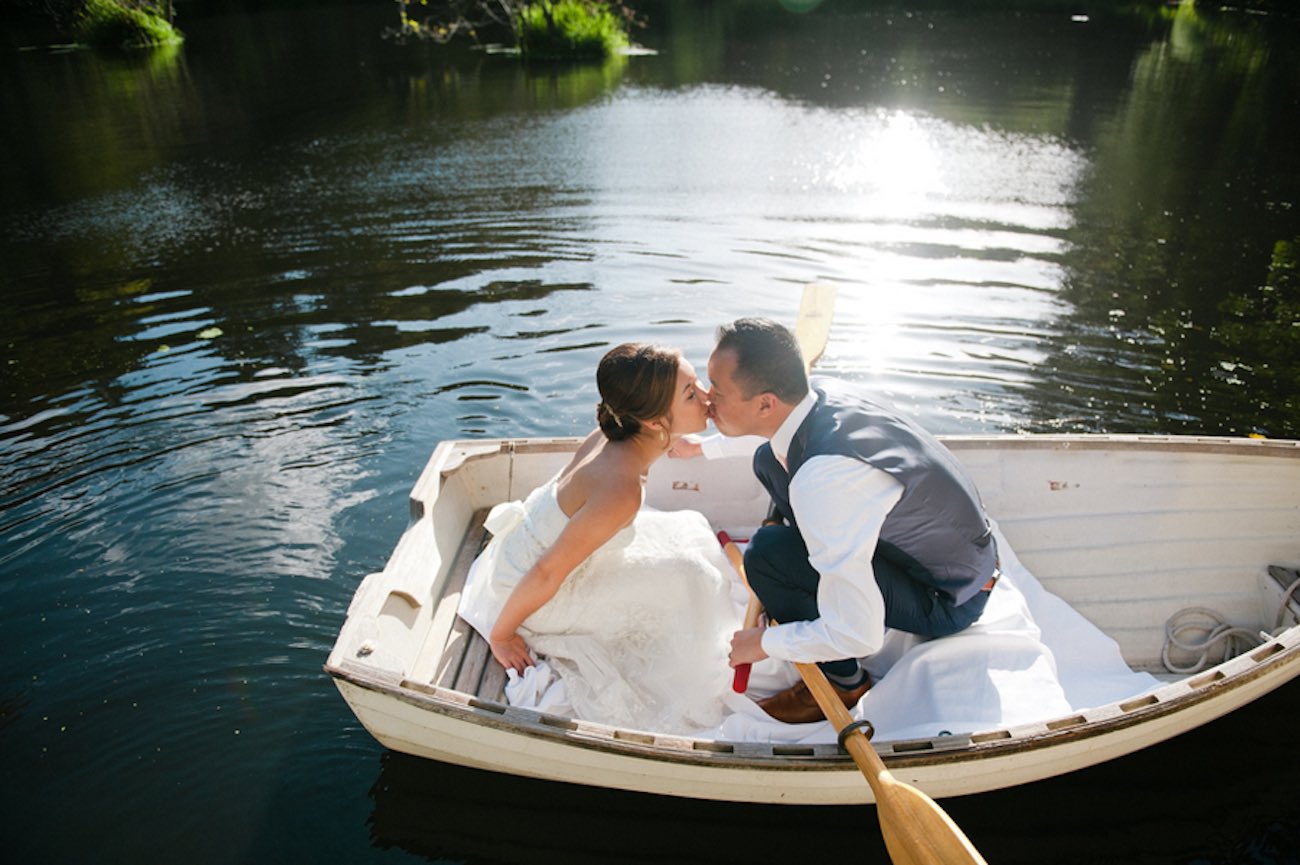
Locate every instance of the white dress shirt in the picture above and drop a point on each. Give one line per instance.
(840, 504)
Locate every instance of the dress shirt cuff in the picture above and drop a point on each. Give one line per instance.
(778, 642)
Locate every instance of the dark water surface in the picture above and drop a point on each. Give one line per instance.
(246, 285)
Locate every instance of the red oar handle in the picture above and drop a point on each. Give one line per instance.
(740, 680)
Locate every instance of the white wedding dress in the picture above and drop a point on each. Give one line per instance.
(639, 632)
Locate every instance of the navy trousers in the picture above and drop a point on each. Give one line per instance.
(777, 566)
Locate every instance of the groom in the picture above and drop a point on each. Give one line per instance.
(879, 526)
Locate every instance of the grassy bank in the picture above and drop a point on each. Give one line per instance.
(122, 24)
(570, 29)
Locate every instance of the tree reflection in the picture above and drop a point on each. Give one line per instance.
(1193, 186)
(1257, 338)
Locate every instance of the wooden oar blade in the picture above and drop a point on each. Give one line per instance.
(918, 832)
(813, 327)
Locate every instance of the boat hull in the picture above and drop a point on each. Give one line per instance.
(393, 693)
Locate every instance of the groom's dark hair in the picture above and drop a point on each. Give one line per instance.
(768, 359)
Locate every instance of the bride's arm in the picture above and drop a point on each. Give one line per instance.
(606, 511)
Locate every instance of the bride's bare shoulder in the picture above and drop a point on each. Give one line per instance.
(604, 474)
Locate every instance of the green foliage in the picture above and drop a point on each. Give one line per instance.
(570, 28)
(540, 29)
(120, 24)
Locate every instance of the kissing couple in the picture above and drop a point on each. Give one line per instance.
(873, 525)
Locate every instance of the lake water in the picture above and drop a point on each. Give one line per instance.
(249, 283)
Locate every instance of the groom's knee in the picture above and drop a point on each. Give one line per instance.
(776, 557)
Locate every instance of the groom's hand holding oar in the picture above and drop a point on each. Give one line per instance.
(753, 609)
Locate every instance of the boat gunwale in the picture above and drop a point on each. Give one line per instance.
(1169, 699)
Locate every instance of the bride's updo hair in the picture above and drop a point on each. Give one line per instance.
(636, 383)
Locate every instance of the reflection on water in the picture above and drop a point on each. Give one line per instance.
(1185, 242)
(947, 249)
(1010, 228)
(248, 284)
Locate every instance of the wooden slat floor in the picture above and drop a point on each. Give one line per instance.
(465, 663)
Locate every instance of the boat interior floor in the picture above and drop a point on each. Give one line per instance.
(465, 662)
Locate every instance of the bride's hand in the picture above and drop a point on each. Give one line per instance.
(512, 652)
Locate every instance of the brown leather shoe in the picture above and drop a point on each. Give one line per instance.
(797, 705)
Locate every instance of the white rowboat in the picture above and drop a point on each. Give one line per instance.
(1127, 529)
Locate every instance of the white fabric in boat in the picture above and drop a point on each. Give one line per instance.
(1030, 658)
(637, 637)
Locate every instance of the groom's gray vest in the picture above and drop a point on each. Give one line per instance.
(938, 531)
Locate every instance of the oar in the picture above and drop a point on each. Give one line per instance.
(753, 609)
(812, 329)
(916, 830)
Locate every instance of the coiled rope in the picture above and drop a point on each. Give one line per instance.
(1209, 638)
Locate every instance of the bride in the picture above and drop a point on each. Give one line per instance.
(631, 607)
